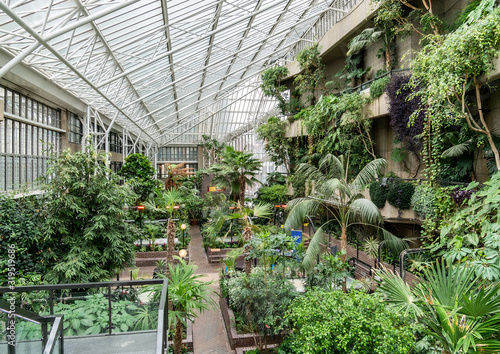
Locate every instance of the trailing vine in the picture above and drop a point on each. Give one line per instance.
(450, 71)
(312, 75)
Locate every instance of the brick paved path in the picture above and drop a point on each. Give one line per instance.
(209, 334)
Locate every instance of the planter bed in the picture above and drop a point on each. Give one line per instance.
(188, 341)
(239, 340)
(147, 259)
(217, 255)
(245, 349)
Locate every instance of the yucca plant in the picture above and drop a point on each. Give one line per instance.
(458, 309)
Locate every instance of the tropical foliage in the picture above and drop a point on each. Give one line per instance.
(236, 170)
(340, 196)
(457, 309)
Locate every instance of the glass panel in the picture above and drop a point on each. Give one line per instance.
(15, 137)
(15, 110)
(8, 136)
(29, 172)
(2, 173)
(29, 140)
(22, 113)
(16, 181)
(29, 109)
(36, 117)
(8, 101)
(8, 170)
(22, 139)
(2, 136)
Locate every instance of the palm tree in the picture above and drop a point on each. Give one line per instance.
(459, 309)
(341, 197)
(236, 170)
(188, 295)
(165, 202)
(244, 214)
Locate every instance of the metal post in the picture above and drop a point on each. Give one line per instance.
(110, 323)
(183, 231)
(44, 335)
(51, 301)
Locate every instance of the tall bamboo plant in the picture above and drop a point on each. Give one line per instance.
(341, 197)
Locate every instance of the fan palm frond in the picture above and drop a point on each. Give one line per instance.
(299, 211)
(399, 294)
(362, 40)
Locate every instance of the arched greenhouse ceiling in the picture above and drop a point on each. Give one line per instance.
(168, 70)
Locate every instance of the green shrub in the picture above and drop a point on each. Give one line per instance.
(378, 194)
(399, 194)
(84, 219)
(273, 195)
(423, 201)
(377, 87)
(20, 226)
(139, 173)
(354, 322)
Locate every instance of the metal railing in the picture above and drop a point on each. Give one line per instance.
(162, 332)
(49, 340)
(326, 21)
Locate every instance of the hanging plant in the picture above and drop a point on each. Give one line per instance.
(399, 194)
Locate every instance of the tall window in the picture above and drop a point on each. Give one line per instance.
(26, 134)
(75, 129)
(179, 154)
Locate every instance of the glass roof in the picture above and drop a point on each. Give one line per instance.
(171, 70)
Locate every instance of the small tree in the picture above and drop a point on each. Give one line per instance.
(236, 170)
(85, 211)
(342, 198)
(138, 171)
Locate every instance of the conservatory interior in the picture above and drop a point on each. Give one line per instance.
(228, 176)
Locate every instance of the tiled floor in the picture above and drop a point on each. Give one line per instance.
(209, 334)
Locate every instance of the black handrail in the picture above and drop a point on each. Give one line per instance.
(52, 287)
(22, 313)
(162, 331)
(402, 259)
(48, 340)
(48, 287)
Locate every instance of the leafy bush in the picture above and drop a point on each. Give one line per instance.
(401, 108)
(423, 201)
(378, 86)
(20, 221)
(354, 322)
(84, 222)
(461, 196)
(472, 234)
(139, 172)
(399, 194)
(272, 195)
(378, 194)
(261, 297)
